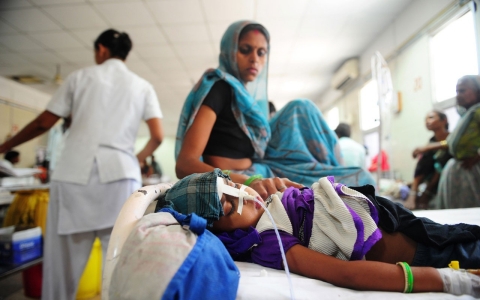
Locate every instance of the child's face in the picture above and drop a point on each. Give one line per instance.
(251, 213)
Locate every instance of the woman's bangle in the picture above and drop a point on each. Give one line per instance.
(226, 172)
(408, 277)
(252, 178)
(443, 143)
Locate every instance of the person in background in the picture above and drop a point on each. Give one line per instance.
(459, 184)
(12, 157)
(353, 153)
(430, 164)
(97, 170)
(224, 124)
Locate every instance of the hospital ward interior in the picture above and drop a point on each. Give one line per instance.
(239, 149)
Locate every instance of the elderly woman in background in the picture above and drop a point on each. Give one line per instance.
(430, 164)
(224, 124)
(460, 180)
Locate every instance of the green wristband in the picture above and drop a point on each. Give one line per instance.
(408, 277)
(252, 178)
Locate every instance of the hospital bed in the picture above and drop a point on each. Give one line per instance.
(257, 282)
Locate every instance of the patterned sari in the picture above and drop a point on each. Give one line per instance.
(297, 143)
(459, 187)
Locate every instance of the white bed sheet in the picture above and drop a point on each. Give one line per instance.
(273, 284)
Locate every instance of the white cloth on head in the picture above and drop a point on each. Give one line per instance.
(107, 103)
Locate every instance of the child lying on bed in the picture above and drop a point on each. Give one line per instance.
(329, 232)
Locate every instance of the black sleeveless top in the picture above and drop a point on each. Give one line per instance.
(227, 138)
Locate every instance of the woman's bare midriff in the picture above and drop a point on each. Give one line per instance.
(226, 163)
(392, 248)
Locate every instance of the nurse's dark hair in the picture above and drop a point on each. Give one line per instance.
(251, 27)
(119, 43)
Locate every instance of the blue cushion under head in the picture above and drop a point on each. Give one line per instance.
(208, 271)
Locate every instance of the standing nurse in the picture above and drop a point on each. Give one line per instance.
(97, 169)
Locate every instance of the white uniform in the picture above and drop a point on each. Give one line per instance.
(97, 169)
(353, 153)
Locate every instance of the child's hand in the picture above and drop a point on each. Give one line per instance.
(460, 282)
(268, 186)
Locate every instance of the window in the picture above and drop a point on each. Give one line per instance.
(333, 118)
(454, 54)
(369, 111)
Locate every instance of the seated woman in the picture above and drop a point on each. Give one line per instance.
(330, 232)
(459, 183)
(224, 124)
(431, 163)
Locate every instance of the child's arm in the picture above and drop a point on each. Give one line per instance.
(360, 275)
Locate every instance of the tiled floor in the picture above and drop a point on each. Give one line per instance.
(11, 288)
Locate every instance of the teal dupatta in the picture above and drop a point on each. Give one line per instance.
(251, 103)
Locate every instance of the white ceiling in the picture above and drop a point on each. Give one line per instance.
(176, 40)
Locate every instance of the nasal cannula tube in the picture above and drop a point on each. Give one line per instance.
(287, 271)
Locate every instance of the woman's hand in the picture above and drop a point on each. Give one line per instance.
(430, 147)
(468, 163)
(268, 186)
(410, 203)
(418, 151)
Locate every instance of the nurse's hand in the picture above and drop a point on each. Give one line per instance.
(268, 186)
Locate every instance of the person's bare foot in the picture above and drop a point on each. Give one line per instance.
(410, 202)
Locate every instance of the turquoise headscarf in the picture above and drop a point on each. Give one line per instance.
(251, 109)
(228, 62)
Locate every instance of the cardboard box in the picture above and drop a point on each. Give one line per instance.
(18, 247)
